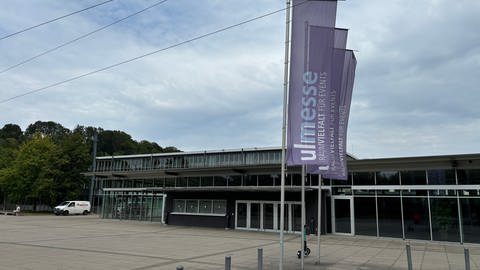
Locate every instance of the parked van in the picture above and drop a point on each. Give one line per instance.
(72, 208)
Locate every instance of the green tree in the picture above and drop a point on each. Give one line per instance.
(75, 152)
(11, 131)
(170, 149)
(50, 129)
(115, 143)
(8, 153)
(146, 147)
(33, 174)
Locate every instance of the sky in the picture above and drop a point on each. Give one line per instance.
(416, 89)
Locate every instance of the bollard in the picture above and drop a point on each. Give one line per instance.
(179, 267)
(409, 257)
(467, 258)
(228, 262)
(260, 258)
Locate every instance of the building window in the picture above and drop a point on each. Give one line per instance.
(388, 178)
(179, 206)
(468, 177)
(364, 178)
(441, 177)
(192, 206)
(414, 178)
(202, 207)
(219, 207)
(205, 206)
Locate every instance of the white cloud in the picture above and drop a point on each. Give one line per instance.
(415, 91)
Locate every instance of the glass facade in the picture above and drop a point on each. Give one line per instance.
(132, 205)
(185, 160)
(430, 211)
(440, 202)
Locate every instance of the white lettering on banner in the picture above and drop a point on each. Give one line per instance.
(312, 133)
(321, 115)
(308, 114)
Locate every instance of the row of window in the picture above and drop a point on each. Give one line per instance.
(419, 218)
(207, 160)
(192, 206)
(420, 177)
(209, 181)
(412, 192)
(429, 177)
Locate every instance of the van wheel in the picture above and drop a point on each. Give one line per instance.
(85, 212)
(65, 213)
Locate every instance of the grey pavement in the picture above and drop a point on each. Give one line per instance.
(88, 242)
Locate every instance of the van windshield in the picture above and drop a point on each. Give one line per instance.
(63, 203)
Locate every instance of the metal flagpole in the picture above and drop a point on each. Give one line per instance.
(302, 240)
(94, 163)
(284, 134)
(319, 218)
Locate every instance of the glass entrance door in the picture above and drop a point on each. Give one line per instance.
(286, 219)
(268, 216)
(265, 215)
(254, 216)
(342, 216)
(241, 215)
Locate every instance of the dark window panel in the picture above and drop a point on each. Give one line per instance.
(413, 177)
(250, 180)
(220, 181)
(206, 181)
(234, 180)
(364, 178)
(416, 218)
(265, 180)
(445, 219)
(365, 216)
(441, 177)
(468, 177)
(389, 217)
(181, 182)
(194, 181)
(388, 178)
(471, 219)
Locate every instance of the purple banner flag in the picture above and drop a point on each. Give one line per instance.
(313, 39)
(338, 169)
(337, 68)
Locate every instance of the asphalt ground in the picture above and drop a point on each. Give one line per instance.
(88, 242)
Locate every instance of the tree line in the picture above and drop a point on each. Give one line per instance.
(43, 164)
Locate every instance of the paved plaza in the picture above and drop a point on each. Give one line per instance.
(87, 242)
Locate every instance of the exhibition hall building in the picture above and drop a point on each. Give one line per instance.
(435, 198)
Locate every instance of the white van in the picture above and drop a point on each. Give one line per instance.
(72, 207)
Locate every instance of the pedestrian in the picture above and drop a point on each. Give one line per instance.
(17, 210)
(305, 237)
(312, 225)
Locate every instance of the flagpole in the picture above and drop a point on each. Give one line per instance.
(302, 240)
(319, 218)
(284, 133)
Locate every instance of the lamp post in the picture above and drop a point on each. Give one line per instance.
(94, 163)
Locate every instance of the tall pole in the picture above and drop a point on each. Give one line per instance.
(319, 218)
(94, 164)
(284, 133)
(302, 237)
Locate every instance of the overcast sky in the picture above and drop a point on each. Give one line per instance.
(416, 91)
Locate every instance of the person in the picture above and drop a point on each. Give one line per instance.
(305, 233)
(17, 210)
(312, 225)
